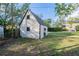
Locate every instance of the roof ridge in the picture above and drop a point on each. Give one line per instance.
(38, 18)
(40, 21)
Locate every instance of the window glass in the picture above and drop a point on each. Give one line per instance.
(28, 28)
(28, 16)
(44, 29)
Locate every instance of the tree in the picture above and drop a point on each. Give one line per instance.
(10, 13)
(17, 12)
(64, 9)
(25, 6)
(6, 13)
(58, 23)
(72, 20)
(47, 22)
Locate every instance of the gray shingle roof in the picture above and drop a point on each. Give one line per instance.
(40, 21)
(38, 18)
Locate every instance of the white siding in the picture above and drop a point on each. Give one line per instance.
(34, 27)
(42, 31)
(1, 32)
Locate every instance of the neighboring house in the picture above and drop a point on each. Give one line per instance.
(1, 31)
(32, 26)
(71, 27)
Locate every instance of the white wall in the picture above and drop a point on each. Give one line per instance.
(1, 31)
(34, 27)
(42, 31)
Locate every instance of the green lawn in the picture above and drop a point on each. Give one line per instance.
(56, 43)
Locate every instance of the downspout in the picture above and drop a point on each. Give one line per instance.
(39, 31)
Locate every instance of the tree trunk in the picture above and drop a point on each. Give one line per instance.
(6, 5)
(12, 18)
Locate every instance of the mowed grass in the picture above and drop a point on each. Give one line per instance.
(56, 43)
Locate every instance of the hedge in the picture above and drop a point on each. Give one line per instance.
(54, 29)
(77, 27)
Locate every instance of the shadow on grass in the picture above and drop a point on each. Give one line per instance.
(57, 38)
(62, 34)
(73, 51)
(46, 46)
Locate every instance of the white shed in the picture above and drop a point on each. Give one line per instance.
(32, 26)
(1, 31)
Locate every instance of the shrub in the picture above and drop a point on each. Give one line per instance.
(55, 29)
(64, 29)
(77, 27)
(9, 29)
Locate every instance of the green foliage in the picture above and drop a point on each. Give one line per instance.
(64, 9)
(64, 29)
(11, 10)
(25, 6)
(55, 29)
(9, 29)
(47, 22)
(58, 23)
(2, 22)
(77, 27)
(72, 20)
(9, 14)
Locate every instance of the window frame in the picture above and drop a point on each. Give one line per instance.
(28, 16)
(44, 29)
(28, 28)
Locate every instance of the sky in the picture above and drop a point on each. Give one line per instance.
(47, 10)
(44, 10)
(75, 13)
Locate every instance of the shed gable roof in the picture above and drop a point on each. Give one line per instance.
(40, 21)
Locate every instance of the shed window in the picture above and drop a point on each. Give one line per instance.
(28, 16)
(44, 29)
(28, 28)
